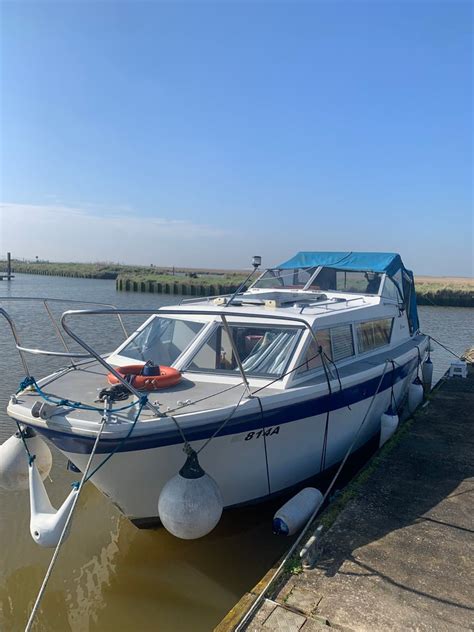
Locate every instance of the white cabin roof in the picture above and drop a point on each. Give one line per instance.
(309, 306)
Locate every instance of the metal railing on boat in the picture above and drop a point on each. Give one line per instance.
(46, 303)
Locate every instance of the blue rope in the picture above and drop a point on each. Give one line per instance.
(30, 381)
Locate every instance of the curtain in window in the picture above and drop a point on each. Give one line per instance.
(365, 336)
(373, 334)
(382, 332)
(271, 354)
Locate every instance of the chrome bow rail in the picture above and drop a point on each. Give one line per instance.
(22, 350)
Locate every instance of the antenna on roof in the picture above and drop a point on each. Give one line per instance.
(256, 263)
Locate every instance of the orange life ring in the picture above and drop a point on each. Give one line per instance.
(167, 377)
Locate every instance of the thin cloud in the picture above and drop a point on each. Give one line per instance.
(70, 233)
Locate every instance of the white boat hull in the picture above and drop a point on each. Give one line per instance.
(248, 466)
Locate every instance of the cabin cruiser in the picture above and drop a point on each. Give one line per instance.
(270, 386)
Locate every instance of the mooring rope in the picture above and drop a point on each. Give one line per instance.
(143, 402)
(224, 423)
(442, 345)
(341, 390)
(393, 401)
(280, 567)
(328, 412)
(66, 525)
(264, 435)
(22, 437)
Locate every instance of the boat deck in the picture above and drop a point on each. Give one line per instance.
(85, 384)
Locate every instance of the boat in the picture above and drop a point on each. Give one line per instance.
(276, 382)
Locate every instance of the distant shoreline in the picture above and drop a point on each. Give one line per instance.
(107, 270)
(439, 291)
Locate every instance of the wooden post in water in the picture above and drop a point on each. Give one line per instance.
(8, 275)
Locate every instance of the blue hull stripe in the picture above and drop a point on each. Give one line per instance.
(245, 423)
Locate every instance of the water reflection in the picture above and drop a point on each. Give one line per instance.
(86, 564)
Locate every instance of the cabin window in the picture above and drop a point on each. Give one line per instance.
(342, 342)
(162, 341)
(373, 334)
(295, 278)
(262, 350)
(312, 357)
(347, 281)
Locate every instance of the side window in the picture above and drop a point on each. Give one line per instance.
(288, 278)
(373, 334)
(363, 282)
(213, 352)
(262, 350)
(390, 290)
(312, 358)
(342, 342)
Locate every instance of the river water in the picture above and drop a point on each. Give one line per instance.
(110, 575)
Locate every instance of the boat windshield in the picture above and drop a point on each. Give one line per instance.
(162, 341)
(295, 278)
(347, 281)
(264, 350)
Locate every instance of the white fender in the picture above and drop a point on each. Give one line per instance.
(427, 374)
(190, 504)
(388, 424)
(415, 395)
(46, 523)
(296, 512)
(14, 460)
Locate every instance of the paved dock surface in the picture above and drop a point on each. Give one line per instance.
(400, 556)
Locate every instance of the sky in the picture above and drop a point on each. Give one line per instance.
(201, 133)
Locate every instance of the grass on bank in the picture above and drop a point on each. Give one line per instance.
(86, 270)
(445, 291)
(206, 280)
(133, 273)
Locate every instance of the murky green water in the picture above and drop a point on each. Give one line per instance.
(110, 575)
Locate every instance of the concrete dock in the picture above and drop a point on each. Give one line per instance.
(400, 554)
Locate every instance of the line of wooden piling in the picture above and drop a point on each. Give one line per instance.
(180, 288)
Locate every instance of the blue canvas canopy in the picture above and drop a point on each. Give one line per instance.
(388, 262)
(381, 262)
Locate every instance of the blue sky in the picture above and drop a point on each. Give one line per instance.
(202, 133)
